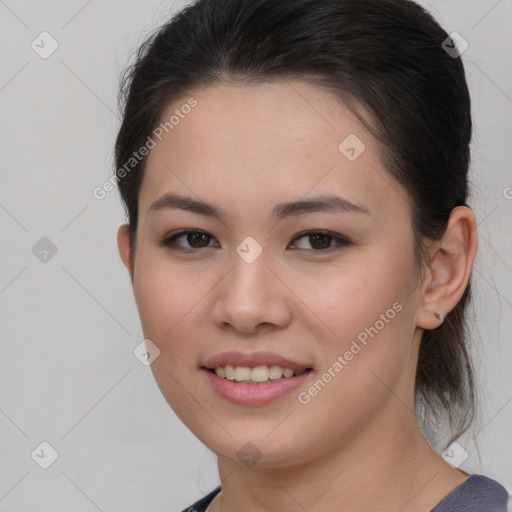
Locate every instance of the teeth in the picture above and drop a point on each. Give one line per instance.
(242, 373)
(259, 374)
(230, 372)
(275, 372)
(256, 374)
(287, 372)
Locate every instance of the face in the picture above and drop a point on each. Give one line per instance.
(328, 284)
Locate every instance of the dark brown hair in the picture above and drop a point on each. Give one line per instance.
(384, 55)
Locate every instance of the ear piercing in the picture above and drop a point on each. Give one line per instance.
(439, 316)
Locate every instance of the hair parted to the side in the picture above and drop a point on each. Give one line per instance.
(383, 55)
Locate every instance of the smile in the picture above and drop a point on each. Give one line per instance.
(255, 375)
(250, 392)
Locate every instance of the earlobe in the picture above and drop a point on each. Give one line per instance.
(449, 269)
(123, 245)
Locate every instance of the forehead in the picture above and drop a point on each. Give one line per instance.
(256, 143)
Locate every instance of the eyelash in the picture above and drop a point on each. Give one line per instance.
(170, 241)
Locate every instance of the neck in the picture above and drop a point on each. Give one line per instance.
(386, 468)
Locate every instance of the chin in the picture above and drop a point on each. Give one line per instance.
(257, 449)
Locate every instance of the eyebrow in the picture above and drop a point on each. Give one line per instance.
(279, 212)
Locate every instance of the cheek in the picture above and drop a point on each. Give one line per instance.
(369, 319)
(366, 363)
(165, 297)
(351, 299)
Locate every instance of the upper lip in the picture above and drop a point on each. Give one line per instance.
(253, 359)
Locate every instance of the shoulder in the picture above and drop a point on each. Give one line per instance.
(477, 493)
(200, 506)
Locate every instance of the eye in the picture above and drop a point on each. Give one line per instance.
(196, 239)
(319, 240)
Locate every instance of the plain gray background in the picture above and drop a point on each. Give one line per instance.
(69, 325)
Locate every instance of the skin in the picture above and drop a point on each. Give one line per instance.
(246, 148)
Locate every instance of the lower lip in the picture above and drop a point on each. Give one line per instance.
(254, 394)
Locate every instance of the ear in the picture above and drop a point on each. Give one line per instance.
(123, 244)
(451, 261)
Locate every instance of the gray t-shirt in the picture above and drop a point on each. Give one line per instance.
(476, 494)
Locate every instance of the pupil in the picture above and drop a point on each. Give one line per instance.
(319, 236)
(194, 237)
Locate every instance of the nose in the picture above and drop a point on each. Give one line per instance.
(252, 297)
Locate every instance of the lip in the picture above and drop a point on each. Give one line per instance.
(254, 394)
(252, 360)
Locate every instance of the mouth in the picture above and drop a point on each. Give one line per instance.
(257, 374)
(254, 379)
(255, 386)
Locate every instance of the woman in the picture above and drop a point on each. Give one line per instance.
(300, 248)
